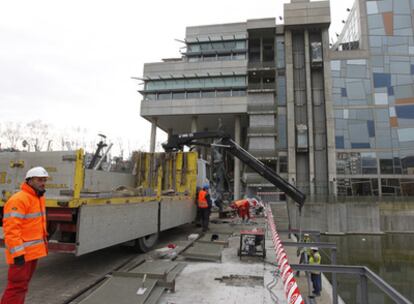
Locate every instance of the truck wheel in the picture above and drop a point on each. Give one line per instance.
(145, 244)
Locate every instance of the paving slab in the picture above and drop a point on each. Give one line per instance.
(204, 251)
(121, 290)
(157, 268)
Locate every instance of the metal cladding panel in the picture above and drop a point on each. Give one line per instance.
(97, 181)
(101, 226)
(177, 212)
(14, 165)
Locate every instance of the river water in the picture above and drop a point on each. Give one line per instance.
(391, 256)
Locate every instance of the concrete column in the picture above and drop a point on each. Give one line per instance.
(153, 135)
(310, 115)
(290, 109)
(237, 139)
(170, 132)
(193, 124)
(330, 117)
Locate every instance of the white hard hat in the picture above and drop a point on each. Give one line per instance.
(314, 248)
(37, 172)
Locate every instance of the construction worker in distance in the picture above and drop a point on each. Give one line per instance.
(204, 206)
(25, 234)
(316, 277)
(243, 209)
(303, 252)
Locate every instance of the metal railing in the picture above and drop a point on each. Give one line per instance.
(332, 247)
(364, 273)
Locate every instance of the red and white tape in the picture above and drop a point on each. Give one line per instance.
(291, 289)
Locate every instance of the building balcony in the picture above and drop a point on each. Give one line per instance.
(261, 65)
(201, 106)
(259, 131)
(180, 69)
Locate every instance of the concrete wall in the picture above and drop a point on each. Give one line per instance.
(305, 12)
(355, 217)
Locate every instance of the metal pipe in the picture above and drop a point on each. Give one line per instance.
(102, 158)
(363, 283)
(334, 280)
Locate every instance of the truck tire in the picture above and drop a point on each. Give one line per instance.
(145, 244)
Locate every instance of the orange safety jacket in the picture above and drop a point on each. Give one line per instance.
(24, 225)
(202, 200)
(243, 203)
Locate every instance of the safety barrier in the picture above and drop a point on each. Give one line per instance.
(291, 289)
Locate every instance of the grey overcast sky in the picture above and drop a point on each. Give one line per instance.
(69, 63)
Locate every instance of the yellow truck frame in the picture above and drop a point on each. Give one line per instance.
(83, 217)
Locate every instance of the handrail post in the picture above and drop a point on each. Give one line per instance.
(334, 281)
(364, 288)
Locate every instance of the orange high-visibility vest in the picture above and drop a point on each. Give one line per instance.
(24, 225)
(202, 200)
(243, 203)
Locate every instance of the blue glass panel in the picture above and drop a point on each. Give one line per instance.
(390, 91)
(371, 128)
(405, 112)
(360, 145)
(382, 80)
(340, 143)
(343, 92)
(412, 69)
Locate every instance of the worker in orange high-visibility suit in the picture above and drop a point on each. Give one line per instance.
(204, 206)
(243, 208)
(25, 235)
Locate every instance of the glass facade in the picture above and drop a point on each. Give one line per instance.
(216, 50)
(195, 83)
(374, 106)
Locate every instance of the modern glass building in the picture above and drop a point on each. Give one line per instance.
(373, 94)
(332, 119)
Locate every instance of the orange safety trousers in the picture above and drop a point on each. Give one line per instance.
(18, 282)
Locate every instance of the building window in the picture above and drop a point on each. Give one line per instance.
(194, 58)
(239, 56)
(224, 57)
(268, 49)
(209, 57)
(150, 96)
(196, 83)
(223, 93)
(193, 94)
(178, 95)
(164, 96)
(238, 92)
(357, 187)
(254, 50)
(283, 164)
(208, 94)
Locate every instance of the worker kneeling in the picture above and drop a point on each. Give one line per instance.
(204, 206)
(243, 208)
(25, 234)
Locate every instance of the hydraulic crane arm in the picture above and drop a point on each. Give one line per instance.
(177, 142)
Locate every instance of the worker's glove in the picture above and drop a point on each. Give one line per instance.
(19, 260)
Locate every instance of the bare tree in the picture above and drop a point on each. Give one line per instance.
(36, 134)
(11, 134)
